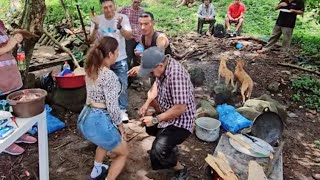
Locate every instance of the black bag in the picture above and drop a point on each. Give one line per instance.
(219, 31)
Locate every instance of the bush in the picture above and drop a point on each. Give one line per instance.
(307, 91)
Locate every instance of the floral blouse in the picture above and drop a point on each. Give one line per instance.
(106, 89)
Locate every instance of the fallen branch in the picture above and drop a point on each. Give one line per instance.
(253, 39)
(299, 67)
(133, 137)
(58, 147)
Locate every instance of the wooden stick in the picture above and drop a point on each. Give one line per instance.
(299, 67)
(271, 162)
(58, 147)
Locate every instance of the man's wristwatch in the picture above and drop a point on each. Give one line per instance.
(155, 120)
(119, 27)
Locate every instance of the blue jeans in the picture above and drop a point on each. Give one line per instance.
(96, 126)
(121, 70)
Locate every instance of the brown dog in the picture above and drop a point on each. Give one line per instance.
(244, 79)
(225, 72)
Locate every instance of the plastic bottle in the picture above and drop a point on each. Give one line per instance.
(21, 57)
(140, 48)
(66, 69)
(66, 66)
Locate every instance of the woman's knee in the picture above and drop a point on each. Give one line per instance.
(122, 149)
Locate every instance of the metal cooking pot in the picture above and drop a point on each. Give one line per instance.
(268, 126)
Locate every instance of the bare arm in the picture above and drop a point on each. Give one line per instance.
(126, 34)
(162, 41)
(172, 113)
(13, 41)
(299, 12)
(241, 16)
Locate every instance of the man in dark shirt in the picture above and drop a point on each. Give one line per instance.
(150, 38)
(285, 23)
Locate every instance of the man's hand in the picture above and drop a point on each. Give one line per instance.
(283, 4)
(137, 53)
(95, 22)
(119, 20)
(143, 110)
(133, 71)
(147, 120)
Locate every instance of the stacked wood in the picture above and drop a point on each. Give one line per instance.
(221, 166)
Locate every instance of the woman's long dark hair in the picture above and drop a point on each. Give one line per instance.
(97, 53)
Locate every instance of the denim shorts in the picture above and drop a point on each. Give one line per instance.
(96, 126)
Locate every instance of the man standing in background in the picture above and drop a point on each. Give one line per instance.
(285, 23)
(133, 12)
(116, 25)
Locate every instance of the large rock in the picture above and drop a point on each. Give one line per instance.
(72, 99)
(197, 76)
(260, 105)
(273, 87)
(206, 110)
(224, 94)
(282, 110)
(248, 112)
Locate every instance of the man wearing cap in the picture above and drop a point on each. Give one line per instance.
(173, 99)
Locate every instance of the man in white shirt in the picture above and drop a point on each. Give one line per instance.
(206, 14)
(116, 25)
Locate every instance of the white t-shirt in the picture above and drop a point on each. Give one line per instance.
(109, 28)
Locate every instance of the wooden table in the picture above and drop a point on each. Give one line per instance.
(25, 124)
(239, 161)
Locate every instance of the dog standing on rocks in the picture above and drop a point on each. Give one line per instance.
(225, 73)
(245, 80)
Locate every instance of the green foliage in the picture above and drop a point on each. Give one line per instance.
(4, 4)
(307, 90)
(259, 19)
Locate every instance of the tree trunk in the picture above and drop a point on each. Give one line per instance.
(66, 13)
(32, 20)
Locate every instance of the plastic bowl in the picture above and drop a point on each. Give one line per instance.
(207, 129)
(69, 81)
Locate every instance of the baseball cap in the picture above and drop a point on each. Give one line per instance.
(151, 57)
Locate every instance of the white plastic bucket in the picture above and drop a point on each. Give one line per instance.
(207, 129)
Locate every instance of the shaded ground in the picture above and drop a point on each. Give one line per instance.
(71, 157)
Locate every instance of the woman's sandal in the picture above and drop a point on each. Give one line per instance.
(26, 139)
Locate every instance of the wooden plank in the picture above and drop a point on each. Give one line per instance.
(256, 171)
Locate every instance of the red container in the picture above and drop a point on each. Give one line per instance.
(69, 81)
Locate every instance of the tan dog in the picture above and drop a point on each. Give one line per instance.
(244, 79)
(225, 72)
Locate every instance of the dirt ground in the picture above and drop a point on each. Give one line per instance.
(71, 157)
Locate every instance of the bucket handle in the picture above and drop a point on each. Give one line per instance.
(266, 109)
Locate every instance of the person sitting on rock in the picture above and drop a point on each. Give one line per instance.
(235, 16)
(206, 14)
